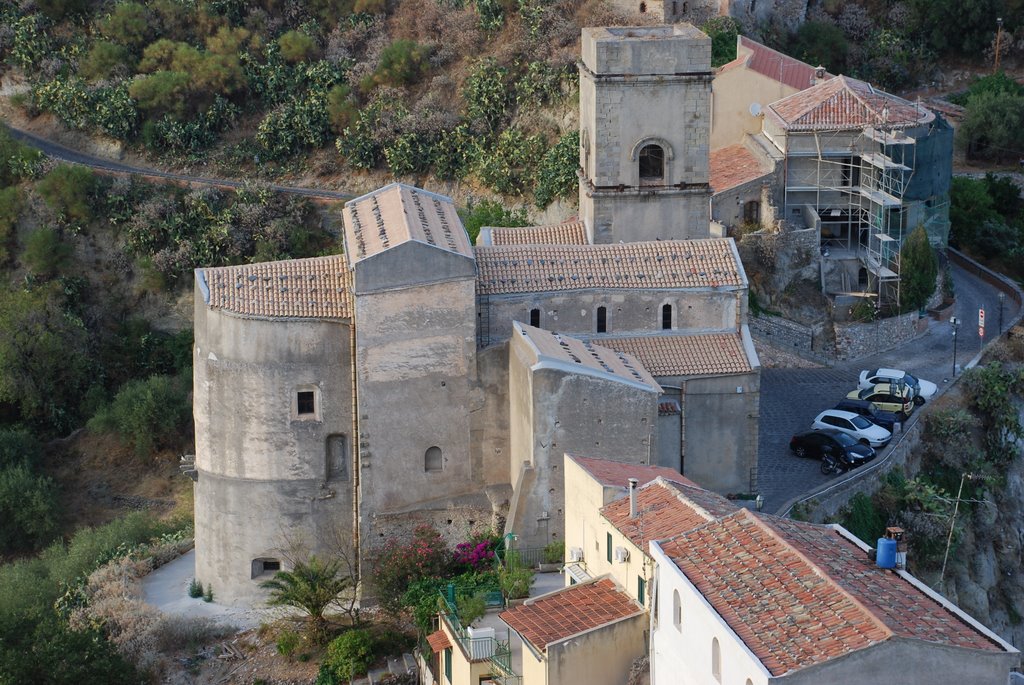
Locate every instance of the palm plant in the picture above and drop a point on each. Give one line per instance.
(311, 586)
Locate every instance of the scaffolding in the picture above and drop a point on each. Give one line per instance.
(854, 185)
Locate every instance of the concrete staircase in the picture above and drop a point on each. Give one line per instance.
(397, 666)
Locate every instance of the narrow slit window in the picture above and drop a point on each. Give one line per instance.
(535, 318)
(643, 8)
(652, 163)
(716, 659)
(306, 403)
(602, 319)
(666, 317)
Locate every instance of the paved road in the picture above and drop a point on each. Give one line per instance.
(791, 398)
(66, 154)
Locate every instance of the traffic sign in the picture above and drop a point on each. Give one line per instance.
(981, 331)
(981, 318)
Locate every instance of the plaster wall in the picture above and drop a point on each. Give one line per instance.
(681, 654)
(535, 668)
(416, 372)
(598, 657)
(628, 311)
(553, 412)
(734, 90)
(728, 207)
(489, 420)
(263, 474)
(637, 87)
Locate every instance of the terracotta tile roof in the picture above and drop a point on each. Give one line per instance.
(566, 350)
(906, 610)
(399, 213)
(686, 355)
(608, 472)
(438, 641)
(564, 613)
(774, 65)
(845, 103)
(658, 264)
(663, 511)
(788, 613)
(315, 288)
(573, 233)
(735, 165)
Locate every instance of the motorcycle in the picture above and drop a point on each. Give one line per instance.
(830, 466)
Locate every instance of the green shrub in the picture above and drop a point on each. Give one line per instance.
(554, 552)
(18, 447)
(819, 42)
(129, 24)
(69, 191)
(556, 175)
(195, 589)
(515, 581)
(490, 213)
(486, 95)
(102, 59)
(919, 269)
(30, 44)
(297, 46)
(46, 254)
(408, 153)
(508, 167)
(208, 593)
(342, 110)
(146, 413)
(17, 161)
(350, 654)
(402, 563)
(287, 642)
(491, 13)
(471, 608)
(455, 153)
(312, 586)
(723, 32)
(28, 508)
(401, 64)
(862, 518)
(10, 209)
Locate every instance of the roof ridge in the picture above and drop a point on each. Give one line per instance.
(663, 482)
(762, 521)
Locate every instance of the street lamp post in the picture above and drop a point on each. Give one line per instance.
(955, 323)
(999, 39)
(1002, 300)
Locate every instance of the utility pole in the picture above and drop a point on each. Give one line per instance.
(999, 41)
(955, 323)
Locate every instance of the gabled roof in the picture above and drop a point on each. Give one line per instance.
(659, 264)
(572, 354)
(570, 233)
(438, 641)
(845, 103)
(800, 594)
(773, 64)
(617, 473)
(686, 355)
(315, 288)
(664, 509)
(735, 165)
(398, 213)
(579, 608)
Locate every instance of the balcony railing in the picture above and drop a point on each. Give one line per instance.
(498, 652)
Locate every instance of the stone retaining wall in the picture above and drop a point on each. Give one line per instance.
(782, 333)
(855, 340)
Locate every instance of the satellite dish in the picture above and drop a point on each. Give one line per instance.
(755, 109)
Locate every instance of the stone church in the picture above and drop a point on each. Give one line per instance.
(417, 378)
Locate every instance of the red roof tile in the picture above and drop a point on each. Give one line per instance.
(571, 233)
(733, 166)
(685, 355)
(787, 613)
(439, 641)
(905, 609)
(777, 66)
(564, 613)
(608, 472)
(845, 103)
(664, 510)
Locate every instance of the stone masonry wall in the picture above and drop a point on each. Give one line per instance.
(856, 340)
(782, 333)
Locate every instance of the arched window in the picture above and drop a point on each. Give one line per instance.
(716, 659)
(602, 319)
(666, 317)
(749, 682)
(677, 611)
(535, 318)
(652, 163)
(433, 460)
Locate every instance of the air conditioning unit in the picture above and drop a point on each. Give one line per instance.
(621, 554)
(575, 554)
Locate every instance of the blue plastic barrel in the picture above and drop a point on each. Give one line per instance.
(886, 556)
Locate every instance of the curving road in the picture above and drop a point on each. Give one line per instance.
(66, 154)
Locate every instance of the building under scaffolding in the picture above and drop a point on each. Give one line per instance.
(865, 168)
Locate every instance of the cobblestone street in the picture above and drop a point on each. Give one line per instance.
(792, 397)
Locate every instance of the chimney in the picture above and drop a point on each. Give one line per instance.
(819, 75)
(632, 497)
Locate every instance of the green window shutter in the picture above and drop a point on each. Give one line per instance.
(448, 664)
(641, 589)
(609, 543)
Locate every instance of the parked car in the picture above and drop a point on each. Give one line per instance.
(871, 412)
(854, 425)
(898, 399)
(921, 389)
(819, 443)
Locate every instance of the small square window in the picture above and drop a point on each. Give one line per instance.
(305, 404)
